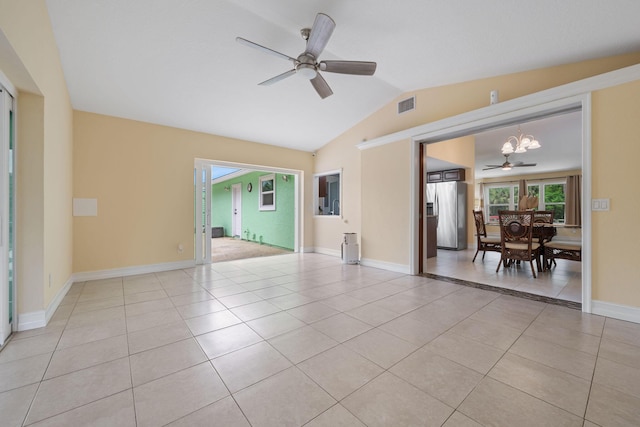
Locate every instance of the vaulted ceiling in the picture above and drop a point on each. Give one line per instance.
(176, 62)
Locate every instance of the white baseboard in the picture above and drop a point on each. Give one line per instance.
(132, 271)
(32, 320)
(616, 311)
(40, 318)
(389, 266)
(55, 302)
(326, 251)
(307, 250)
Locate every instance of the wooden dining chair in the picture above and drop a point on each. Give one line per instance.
(484, 243)
(516, 239)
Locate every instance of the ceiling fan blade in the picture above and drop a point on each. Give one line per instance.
(492, 167)
(277, 78)
(264, 49)
(524, 164)
(321, 86)
(320, 33)
(361, 68)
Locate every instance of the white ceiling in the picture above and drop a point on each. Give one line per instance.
(176, 62)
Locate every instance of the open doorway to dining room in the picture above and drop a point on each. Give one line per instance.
(491, 187)
(245, 211)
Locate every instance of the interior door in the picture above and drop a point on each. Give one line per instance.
(7, 215)
(236, 210)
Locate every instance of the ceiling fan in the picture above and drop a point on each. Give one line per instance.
(507, 165)
(306, 64)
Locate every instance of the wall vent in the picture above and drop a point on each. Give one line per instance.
(407, 105)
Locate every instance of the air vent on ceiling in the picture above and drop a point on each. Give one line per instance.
(407, 105)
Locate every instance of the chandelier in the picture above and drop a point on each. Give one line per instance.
(522, 143)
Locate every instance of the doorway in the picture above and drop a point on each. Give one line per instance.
(7, 214)
(544, 171)
(528, 108)
(237, 193)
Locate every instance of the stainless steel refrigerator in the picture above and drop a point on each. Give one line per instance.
(448, 200)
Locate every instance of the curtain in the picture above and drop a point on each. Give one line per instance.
(573, 214)
(481, 204)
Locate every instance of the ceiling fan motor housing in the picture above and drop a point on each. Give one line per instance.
(306, 66)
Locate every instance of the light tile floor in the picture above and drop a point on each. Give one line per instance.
(302, 339)
(563, 281)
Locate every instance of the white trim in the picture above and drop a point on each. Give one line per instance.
(616, 311)
(307, 250)
(464, 124)
(132, 271)
(316, 192)
(482, 115)
(555, 100)
(325, 251)
(261, 179)
(55, 302)
(6, 83)
(32, 320)
(40, 318)
(586, 205)
(298, 187)
(388, 266)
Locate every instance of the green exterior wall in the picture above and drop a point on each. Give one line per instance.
(276, 228)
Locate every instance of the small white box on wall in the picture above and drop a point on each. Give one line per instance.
(85, 207)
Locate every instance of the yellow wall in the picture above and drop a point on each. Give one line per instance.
(432, 104)
(385, 203)
(460, 151)
(142, 176)
(615, 233)
(45, 150)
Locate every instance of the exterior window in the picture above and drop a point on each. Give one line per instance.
(328, 194)
(551, 197)
(554, 200)
(501, 198)
(268, 192)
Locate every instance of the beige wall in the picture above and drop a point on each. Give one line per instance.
(615, 234)
(433, 104)
(142, 176)
(385, 203)
(615, 113)
(44, 147)
(460, 151)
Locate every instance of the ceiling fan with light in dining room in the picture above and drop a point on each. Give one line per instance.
(507, 165)
(306, 64)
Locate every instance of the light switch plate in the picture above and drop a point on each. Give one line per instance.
(600, 204)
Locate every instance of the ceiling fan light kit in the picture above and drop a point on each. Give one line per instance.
(306, 65)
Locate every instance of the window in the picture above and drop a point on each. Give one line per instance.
(554, 200)
(503, 196)
(328, 194)
(268, 192)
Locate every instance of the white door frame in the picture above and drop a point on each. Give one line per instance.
(202, 238)
(204, 166)
(7, 316)
(236, 210)
(532, 106)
